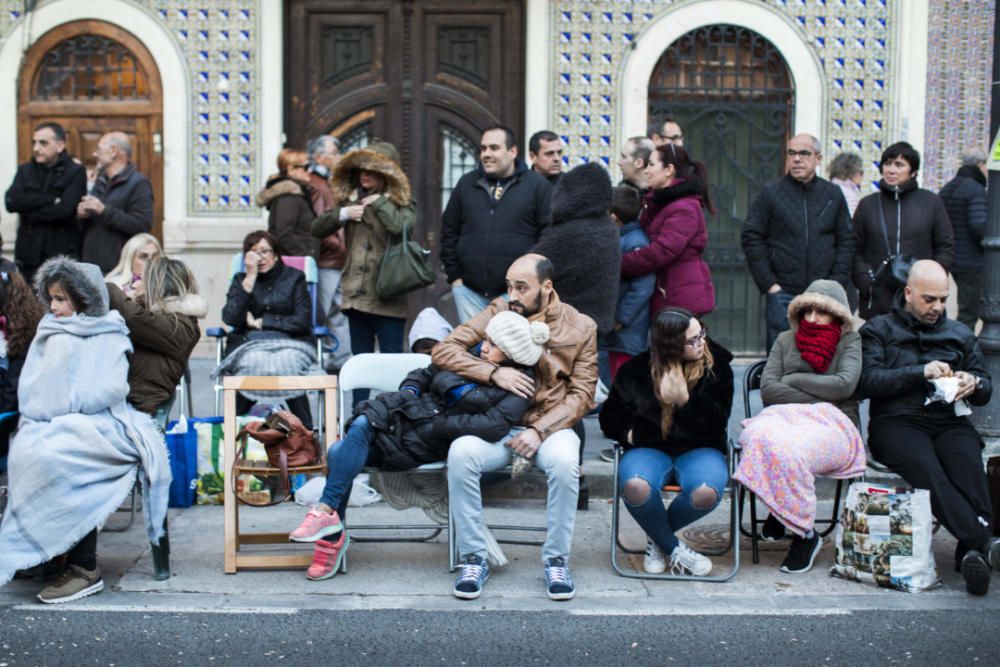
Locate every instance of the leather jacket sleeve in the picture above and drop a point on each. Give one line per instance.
(579, 394)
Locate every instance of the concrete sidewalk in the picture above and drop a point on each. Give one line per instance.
(408, 576)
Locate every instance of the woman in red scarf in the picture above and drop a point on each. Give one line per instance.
(810, 423)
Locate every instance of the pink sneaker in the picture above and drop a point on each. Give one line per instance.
(327, 557)
(316, 526)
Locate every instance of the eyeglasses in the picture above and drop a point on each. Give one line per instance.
(695, 341)
(263, 252)
(801, 154)
(673, 137)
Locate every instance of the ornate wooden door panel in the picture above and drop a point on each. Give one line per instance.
(93, 78)
(427, 76)
(732, 93)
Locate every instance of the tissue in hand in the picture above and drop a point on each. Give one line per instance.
(945, 390)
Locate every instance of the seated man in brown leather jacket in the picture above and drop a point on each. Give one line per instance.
(562, 394)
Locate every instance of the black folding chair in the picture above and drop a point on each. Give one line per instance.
(751, 384)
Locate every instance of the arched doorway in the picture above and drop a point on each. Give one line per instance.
(93, 77)
(732, 93)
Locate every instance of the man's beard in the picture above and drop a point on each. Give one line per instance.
(527, 311)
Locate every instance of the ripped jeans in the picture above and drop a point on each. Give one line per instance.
(701, 473)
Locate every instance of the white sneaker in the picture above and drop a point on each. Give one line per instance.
(654, 561)
(684, 557)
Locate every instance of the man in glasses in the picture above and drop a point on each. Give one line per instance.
(798, 230)
(667, 133)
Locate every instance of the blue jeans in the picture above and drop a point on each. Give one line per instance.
(691, 471)
(343, 463)
(365, 328)
(468, 303)
(776, 314)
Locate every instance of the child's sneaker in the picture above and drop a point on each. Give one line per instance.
(327, 557)
(75, 583)
(316, 526)
(475, 572)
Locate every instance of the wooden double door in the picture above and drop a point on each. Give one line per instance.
(93, 78)
(427, 76)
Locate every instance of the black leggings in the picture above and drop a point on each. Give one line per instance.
(945, 457)
(84, 554)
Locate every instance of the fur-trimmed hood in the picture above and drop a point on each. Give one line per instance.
(192, 305)
(582, 192)
(85, 282)
(380, 157)
(829, 295)
(279, 186)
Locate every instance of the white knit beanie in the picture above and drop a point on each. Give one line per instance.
(518, 338)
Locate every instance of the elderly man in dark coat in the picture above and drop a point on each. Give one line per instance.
(120, 206)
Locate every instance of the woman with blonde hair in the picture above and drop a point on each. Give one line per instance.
(669, 408)
(135, 253)
(288, 199)
(162, 321)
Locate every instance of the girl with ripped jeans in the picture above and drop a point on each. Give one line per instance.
(669, 408)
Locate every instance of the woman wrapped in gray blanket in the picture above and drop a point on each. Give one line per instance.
(79, 445)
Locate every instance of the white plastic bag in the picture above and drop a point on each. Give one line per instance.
(361, 494)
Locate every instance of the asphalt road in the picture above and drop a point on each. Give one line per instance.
(50, 636)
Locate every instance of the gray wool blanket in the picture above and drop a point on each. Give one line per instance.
(272, 357)
(79, 446)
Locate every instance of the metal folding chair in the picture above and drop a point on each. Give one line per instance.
(751, 384)
(732, 489)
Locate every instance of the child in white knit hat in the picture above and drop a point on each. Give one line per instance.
(400, 430)
(522, 342)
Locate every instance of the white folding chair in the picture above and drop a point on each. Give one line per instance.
(382, 372)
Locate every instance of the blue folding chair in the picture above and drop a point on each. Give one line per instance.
(326, 341)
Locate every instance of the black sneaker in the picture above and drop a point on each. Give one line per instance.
(976, 572)
(802, 554)
(607, 454)
(772, 530)
(475, 572)
(557, 580)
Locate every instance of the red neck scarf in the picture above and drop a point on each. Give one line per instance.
(817, 343)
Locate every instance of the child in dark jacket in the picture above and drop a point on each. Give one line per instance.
(630, 335)
(404, 429)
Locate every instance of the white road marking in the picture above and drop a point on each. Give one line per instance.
(171, 609)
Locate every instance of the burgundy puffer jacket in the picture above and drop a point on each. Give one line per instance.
(674, 222)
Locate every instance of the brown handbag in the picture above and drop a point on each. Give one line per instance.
(288, 444)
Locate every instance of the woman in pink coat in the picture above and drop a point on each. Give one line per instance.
(675, 224)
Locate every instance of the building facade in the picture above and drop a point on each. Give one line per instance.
(210, 90)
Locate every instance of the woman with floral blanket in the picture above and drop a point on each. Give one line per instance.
(810, 424)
